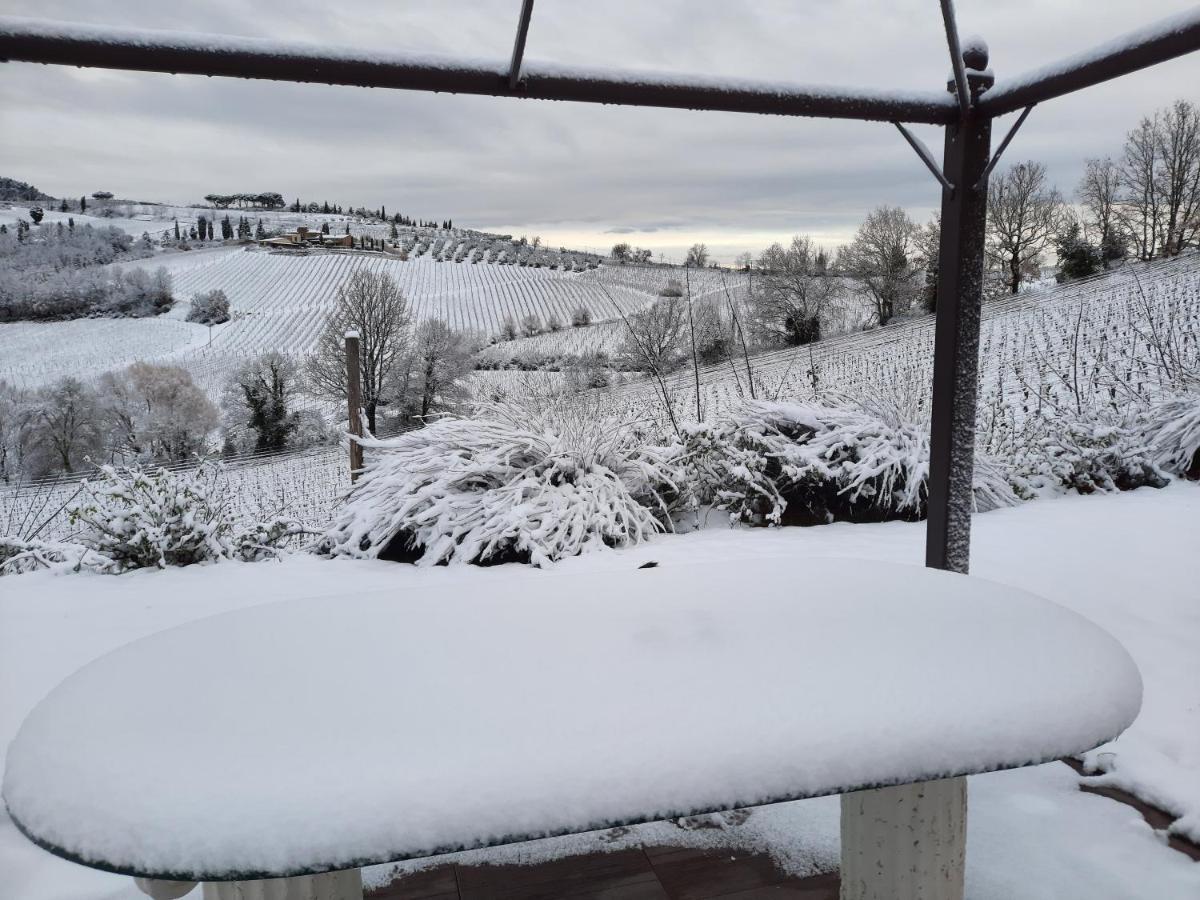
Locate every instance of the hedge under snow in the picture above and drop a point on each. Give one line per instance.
(773, 463)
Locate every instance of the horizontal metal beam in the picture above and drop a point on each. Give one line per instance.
(59, 43)
(1147, 46)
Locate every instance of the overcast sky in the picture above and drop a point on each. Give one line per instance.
(576, 174)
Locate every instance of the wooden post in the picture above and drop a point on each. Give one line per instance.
(354, 403)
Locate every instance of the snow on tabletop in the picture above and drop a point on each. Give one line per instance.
(325, 733)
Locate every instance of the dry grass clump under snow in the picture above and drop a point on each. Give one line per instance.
(510, 485)
(1097, 453)
(1172, 430)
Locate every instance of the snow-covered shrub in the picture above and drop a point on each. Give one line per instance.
(209, 308)
(512, 484)
(141, 519)
(19, 555)
(1172, 431)
(1088, 454)
(787, 464)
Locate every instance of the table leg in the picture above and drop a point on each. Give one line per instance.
(158, 889)
(905, 843)
(344, 885)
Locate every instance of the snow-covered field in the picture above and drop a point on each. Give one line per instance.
(1128, 562)
(279, 301)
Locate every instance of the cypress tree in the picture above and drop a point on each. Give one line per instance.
(176, 229)
(83, 204)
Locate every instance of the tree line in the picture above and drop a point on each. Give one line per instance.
(59, 272)
(150, 413)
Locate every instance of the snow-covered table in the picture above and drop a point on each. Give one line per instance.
(312, 736)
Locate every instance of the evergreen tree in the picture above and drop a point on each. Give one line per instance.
(324, 228)
(71, 223)
(83, 204)
(226, 228)
(392, 232)
(1077, 258)
(202, 227)
(325, 208)
(383, 212)
(259, 231)
(176, 229)
(62, 207)
(347, 228)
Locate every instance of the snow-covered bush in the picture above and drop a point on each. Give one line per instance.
(209, 308)
(786, 464)
(141, 519)
(1172, 431)
(512, 484)
(1087, 454)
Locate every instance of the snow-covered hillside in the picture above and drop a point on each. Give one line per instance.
(279, 301)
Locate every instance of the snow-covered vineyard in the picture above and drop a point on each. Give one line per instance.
(279, 302)
(1056, 349)
(1076, 346)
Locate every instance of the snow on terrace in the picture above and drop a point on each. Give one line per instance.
(1125, 561)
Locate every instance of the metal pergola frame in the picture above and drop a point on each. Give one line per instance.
(966, 111)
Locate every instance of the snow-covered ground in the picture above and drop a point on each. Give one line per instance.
(1129, 562)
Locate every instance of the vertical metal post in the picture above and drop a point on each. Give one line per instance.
(956, 345)
(909, 842)
(354, 403)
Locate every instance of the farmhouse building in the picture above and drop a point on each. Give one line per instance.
(304, 237)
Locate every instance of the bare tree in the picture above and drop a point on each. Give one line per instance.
(1023, 216)
(373, 305)
(1178, 134)
(156, 413)
(430, 380)
(793, 293)
(697, 256)
(1141, 209)
(881, 258)
(928, 240)
(1099, 194)
(62, 427)
(654, 337)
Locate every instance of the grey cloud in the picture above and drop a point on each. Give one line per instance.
(542, 168)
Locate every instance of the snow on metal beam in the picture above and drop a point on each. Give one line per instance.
(1147, 46)
(59, 43)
